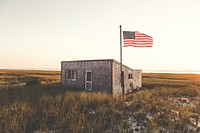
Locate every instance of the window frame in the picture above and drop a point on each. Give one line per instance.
(130, 76)
(71, 75)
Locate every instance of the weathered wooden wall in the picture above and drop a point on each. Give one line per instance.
(105, 75)
(129, 84)
(101, 74)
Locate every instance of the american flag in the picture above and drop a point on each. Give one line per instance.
(137, 39)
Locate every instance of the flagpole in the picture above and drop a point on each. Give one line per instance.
(122, 74)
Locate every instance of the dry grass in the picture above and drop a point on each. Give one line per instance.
(152, 80)
(49, 108)
(55, 108)
(10, 78)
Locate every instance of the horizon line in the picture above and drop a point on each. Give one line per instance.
(144, 71)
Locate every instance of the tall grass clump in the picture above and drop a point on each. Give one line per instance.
(56, 108)
(163, 107)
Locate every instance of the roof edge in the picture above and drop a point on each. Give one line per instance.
(102, 60)
(126, 66)
(88, 60)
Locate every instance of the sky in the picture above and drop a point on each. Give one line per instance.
(39, 34)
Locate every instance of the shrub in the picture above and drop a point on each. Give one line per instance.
(32, 82)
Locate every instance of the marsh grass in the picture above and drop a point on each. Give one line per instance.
(53, 107)
(157, 101)
(36, 109)
(10, 78)
(151, 80)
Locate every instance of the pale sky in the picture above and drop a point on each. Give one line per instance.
(42, 33)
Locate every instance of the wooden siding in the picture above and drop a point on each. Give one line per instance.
(101, 74)
(105, 76)
(129, 84)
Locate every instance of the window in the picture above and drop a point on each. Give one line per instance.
(130, 76)
(89, 76)
(70, 75)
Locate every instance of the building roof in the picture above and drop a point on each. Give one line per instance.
(88, 60)
(113, 60)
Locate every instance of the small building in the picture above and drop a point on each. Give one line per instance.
(100, 75)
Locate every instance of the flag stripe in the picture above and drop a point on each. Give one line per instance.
(137, 39)
(136, 45)
(130, 41)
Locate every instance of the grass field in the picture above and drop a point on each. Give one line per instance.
(10, 78)
(167, 103)
(169, 79)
